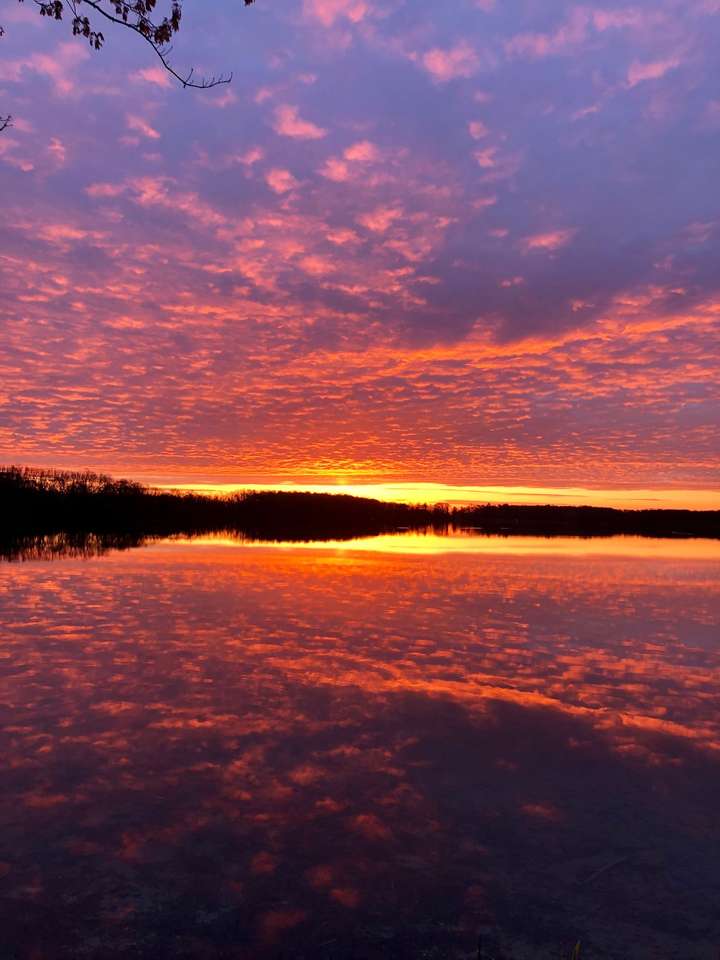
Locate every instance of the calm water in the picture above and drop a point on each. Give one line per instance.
(378, 749)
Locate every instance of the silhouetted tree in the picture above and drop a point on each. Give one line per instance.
(141, 17)
(40, 502)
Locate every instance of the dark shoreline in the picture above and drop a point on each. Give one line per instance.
(85, 511)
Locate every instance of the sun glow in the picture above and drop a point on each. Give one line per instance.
(417, 543)
(457, 495)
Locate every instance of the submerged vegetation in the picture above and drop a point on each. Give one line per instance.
(48, 509)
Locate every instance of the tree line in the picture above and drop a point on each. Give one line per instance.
(45, 502)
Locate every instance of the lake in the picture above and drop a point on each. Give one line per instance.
(380, 748)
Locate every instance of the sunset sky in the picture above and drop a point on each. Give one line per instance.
(470, 243)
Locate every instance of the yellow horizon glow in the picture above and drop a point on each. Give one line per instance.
(462, 495)
(417, 543)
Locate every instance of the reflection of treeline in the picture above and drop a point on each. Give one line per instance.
(65, 544)
(551, 520)
(46, 501)
(43, 502)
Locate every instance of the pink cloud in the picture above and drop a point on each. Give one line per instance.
(482, 203)
(327, 12)
(379, 219)
(354, 159)
(251, 156)
(141, 126)
(60, 233)
(316, 266)
(362, 152)
(8, 154)
(57, 151)
(105, 189)
(288, 123)
(639, 72)
(458, 61)
(226, 99)
(280, 181)
(617, 19)
(486, 158)
(477, 129)
(536, 45)
(552, 240)
(699, 232)
(342, 236)
(155, 75)
(585, 111)
(163, 192)
(497, 164)
(576, 29)
(335, 169)
(57, 67)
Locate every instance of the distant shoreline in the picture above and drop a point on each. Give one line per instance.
(37, 503)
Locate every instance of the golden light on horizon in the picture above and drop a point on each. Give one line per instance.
(431, 544)
(458, 495)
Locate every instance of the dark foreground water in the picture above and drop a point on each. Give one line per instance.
(377, 750)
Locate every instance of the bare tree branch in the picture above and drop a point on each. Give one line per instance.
(134, 15)
(5, 122)
(143, 28)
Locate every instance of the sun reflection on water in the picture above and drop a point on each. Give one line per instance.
(470, 542)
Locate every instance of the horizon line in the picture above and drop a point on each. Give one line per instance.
(433, 492)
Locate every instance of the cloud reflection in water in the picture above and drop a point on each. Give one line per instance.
(256, 752)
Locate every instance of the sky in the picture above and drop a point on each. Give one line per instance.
(472, 244)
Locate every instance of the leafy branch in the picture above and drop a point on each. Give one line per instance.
(138, 16)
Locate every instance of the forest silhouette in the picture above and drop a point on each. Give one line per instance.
(51, 512)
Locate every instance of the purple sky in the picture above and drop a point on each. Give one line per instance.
(468, 242)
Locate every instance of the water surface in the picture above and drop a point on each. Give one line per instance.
(379, 748)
